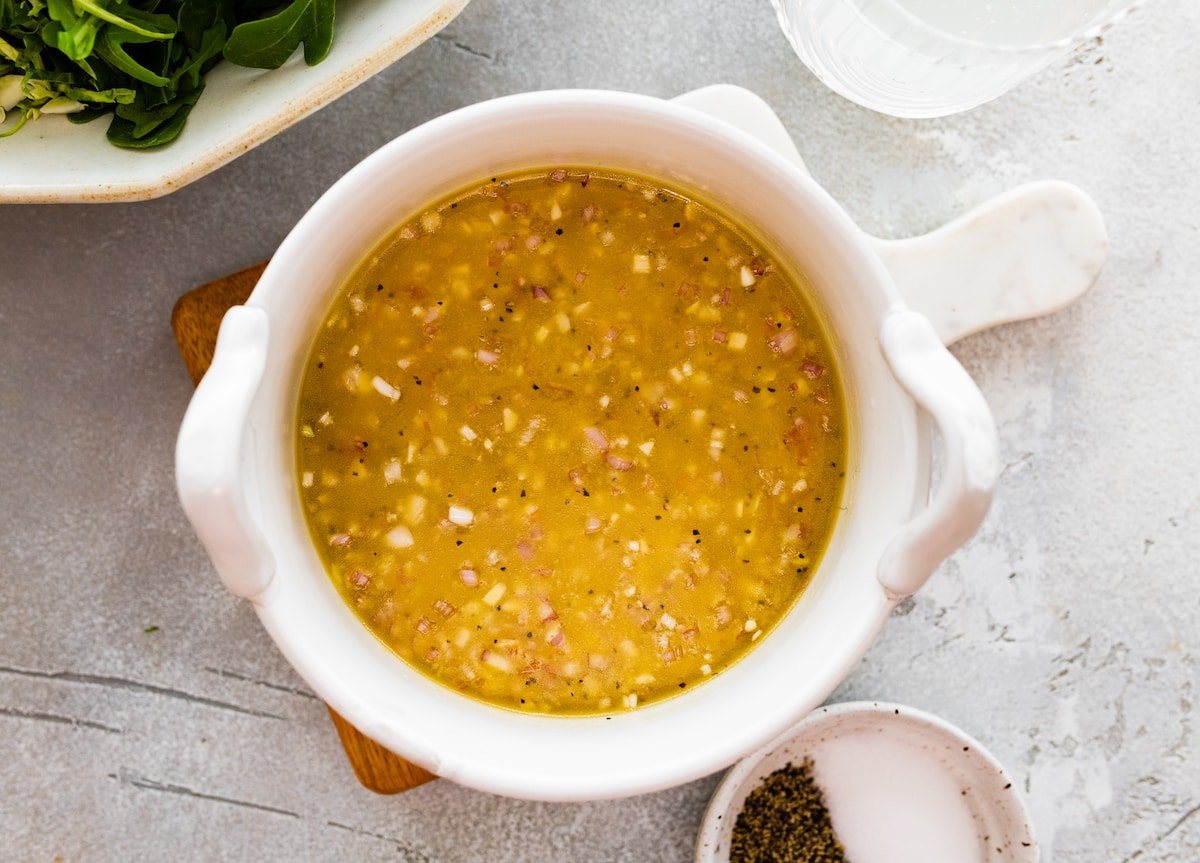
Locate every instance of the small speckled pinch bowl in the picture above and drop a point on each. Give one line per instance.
(901, 786)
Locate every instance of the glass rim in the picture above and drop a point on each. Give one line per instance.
(1093, 27)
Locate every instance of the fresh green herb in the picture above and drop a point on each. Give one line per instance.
(142, 62)
(150, 629)
(267, 42)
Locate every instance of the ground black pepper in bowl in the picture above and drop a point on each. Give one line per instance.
(784, 820)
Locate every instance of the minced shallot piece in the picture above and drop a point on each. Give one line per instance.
(617, 463)
(495, 594)
(461, 516)
(497, 661)
(339, 540)
(384, 388)
(444, 608)
(592, 525)
(431, 221)
(488, 358)
(530, 430)
(540, 293)
(784, 342)
(400, 537)
(812, 370)
(468, 576)
(718, 336)
(596, 438)
(558, 175)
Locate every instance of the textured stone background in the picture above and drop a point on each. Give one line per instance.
(1065, 636)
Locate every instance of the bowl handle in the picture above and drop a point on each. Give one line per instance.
(1028, 252)
(209, 455)
(971, 463)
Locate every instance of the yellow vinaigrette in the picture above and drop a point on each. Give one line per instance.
(570, 442)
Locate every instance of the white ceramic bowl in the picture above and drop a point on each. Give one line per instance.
(235, 459)
(54, 160)
(901, 786)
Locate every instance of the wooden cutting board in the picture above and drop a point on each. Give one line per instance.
(195, 320)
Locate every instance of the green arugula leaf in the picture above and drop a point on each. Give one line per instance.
(138, 128)
(268, 42)
(113, 96)
(143, 62)
(111, 49)
(146, 24)
(207, 52)
(77, 40)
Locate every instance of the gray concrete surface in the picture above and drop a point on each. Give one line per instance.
(1066, 636)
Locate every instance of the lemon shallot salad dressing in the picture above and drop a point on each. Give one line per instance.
(570, 442)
